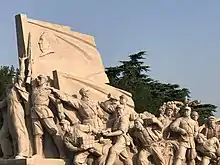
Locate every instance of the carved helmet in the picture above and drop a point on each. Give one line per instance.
(82, 91)
(112, 97)
(123, 97)
(211, 118)
(42, 76)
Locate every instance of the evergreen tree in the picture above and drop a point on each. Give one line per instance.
(6, 74)
(204, 111)
(149, 94)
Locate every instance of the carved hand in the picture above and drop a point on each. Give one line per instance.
(95, 131)
(101, 116)
(23, 58)
(105, 134)
(138, 125)
(91, 150)
(80, 149)
(182, 132)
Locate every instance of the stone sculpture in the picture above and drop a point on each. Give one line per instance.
(120, 137)
(208, 148)
(42, 117)
(188, 130)
(55, 106)
(15, 121)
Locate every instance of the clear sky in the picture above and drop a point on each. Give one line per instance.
(181, 37)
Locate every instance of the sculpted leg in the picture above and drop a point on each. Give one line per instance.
(81, 158)
(205, 160)
(180, 155)
(38, 133)
(60, 146)
(53, 131)
(143, 157)
(124, 157)
(23, 145)
(38, 143)
(158, 158)
(191, 155)
(112, 155)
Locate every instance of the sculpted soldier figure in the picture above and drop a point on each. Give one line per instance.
(110, 105)
(148, 136)
(162, 110)
(130, 112)
(15, 124)
(211, 129)
(166, 120)
(120, 139)
(209, 148)
(79, 139)
(188, 129)
(5, 136)
(89, 112)
(42, 116)
(195, 117)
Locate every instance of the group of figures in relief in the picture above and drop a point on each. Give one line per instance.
(103, 133)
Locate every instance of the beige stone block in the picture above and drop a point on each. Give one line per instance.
(34, 161)
(57, 47)
(98, 92)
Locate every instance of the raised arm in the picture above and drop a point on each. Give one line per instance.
(66, 98)
(196, 129)
(107, 106)
(22, 67)
(175, 127)
(59, 106)
(70, 146)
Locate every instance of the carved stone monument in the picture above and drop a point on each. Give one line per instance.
(61, 111)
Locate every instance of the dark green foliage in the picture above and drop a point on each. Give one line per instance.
(6, 74)
(204, 110)
(149, 94)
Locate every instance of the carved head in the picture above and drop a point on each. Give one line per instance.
(19, 79)
(123, 100)
(162, 109)
(120, 110)
(187, 111)
(168, 111)
(84, 92)
(65, 125)
(13, 78)
(195, 115)
(41, 80)
(200, 138)
(211, 121)
(138, 123)
(112, 98)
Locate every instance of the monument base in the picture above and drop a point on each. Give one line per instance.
(32, 161)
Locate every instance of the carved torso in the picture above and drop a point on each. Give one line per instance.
(40, 103)
(189, 125)
(41, 96)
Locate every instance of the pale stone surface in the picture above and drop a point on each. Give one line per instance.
(34, 162)
(71, 84)
(58, 47)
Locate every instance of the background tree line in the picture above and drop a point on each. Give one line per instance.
(133, 76)
(149, 94)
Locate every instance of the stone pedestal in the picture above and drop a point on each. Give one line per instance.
(34, 162)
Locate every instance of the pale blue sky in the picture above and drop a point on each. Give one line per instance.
(181, 37)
